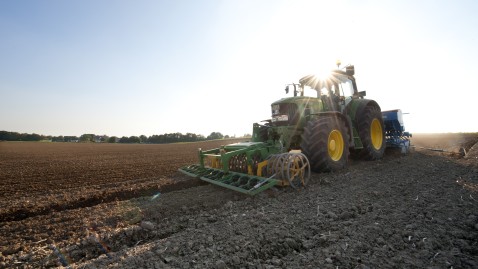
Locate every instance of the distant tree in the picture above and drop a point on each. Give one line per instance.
(14, 136)
(9, 136)
(87, 138)
(104, 138)
(31, 137)
(226, 136)
(58, 139)
(188, 137)
(131, 139)
(134, 139)
(215, 135)
(123, 139)
(153, 139)
(71, 138)
(143, 139)
(174, 138)
(112, 139)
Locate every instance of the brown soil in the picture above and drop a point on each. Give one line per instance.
(38, 178)
(72, 205)
(451, 142)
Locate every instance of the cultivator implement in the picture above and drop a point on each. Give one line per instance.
(250, 167)
(243, 183)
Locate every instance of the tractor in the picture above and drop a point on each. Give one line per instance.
(305, 133)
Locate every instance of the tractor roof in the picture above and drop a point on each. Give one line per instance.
(317, 82)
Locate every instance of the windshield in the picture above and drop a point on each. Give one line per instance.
(335, 84)
(344, 89)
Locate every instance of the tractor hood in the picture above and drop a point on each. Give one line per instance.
(295, 100)
(288, 111)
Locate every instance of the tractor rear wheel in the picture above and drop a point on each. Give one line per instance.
(325, 142)
(372, 133)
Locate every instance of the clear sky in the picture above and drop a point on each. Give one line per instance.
(150, 67)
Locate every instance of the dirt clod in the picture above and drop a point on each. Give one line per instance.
(147, 225)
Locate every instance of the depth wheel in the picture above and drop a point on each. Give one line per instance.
(325, 142)
(298, 170)
(372, 133)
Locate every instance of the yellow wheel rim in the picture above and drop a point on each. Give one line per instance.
(335, 145)
(376, 134)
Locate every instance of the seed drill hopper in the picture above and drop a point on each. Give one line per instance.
(395, 134)
(306, 132)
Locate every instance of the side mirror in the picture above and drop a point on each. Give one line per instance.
(350, 70)
(362, 94)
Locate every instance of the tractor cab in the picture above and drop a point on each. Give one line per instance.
(335, 90)
(332, 94)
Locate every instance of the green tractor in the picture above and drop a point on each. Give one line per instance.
(305, 133)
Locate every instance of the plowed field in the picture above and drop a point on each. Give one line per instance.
(37, 178)
(125, 206)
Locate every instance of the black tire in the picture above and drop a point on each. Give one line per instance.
(325, 142)
(372, 133)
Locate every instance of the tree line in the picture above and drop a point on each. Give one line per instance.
(14, 136)
(154, 139)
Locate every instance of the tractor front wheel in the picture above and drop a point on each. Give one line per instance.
(325, 142)
(372, 133)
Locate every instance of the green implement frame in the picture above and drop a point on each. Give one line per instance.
(235, 166)
(250, 167)
(246, 184)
